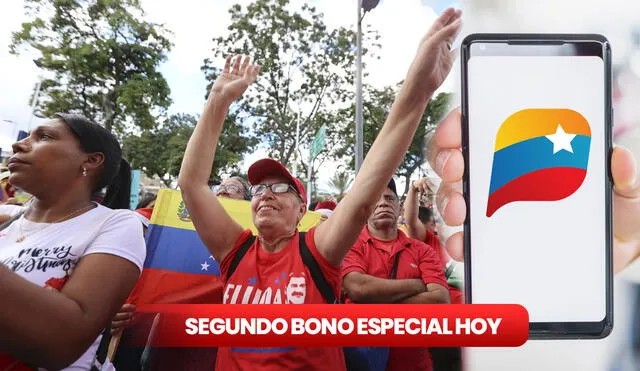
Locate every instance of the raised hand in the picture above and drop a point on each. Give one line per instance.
(423, 185)
(435, 58)
(235, 80)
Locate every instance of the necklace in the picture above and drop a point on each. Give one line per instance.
(23, 237)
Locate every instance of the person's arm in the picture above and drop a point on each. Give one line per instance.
(431, 65)
(435, 294)
(363, 288)
(432, 274)
(51, 329)
(214, 225)
(416, 229)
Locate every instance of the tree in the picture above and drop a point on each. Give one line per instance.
(159, 152)
(153, 151)
(340, 182)
(101, 59)
(376, 107)
(307, 73)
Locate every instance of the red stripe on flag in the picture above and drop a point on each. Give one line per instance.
(159, 286)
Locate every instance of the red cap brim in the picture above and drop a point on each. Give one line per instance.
(269, 167)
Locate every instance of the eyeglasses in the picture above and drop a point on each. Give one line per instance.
(229, 189)
(276, 188)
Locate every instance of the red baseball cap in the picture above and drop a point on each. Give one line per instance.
(269, 167)
(329, 205)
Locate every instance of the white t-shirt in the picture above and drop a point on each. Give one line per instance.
(53, 250)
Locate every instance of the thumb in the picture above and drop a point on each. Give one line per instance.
(624, 170)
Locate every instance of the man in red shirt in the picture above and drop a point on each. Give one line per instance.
(368, 273)
(421, 226)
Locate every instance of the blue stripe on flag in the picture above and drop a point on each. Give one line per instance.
(534, 154)
(179, 250)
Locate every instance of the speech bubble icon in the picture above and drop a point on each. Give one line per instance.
(541, 154)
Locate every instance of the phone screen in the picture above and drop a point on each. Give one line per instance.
(537, 179)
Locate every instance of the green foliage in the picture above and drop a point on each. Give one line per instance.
(307, 74)
(100, 59)
(159, 152)
(154, 151)
(376, 107)
(340, 182)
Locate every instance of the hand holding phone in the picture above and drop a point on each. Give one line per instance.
(452, 206)
(448, 162)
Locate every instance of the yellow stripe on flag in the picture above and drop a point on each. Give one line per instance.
(170, 211)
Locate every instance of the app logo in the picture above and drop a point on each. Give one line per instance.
(539, 155)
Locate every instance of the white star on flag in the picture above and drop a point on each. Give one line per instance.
(561, 140)
(205, 266)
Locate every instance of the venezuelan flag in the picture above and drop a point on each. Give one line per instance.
(178, 267)
(539, 155)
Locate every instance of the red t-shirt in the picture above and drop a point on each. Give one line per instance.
(417, 260)
(431, 239)
(277, 278)
(8, 362)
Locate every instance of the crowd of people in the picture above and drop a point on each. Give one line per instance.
(69, 261)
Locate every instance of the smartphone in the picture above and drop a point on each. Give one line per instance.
(536, 123)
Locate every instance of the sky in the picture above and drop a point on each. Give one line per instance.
(193, 23)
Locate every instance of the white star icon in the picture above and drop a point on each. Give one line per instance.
(561, 140)
(205, 266)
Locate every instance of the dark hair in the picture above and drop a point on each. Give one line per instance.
(425, 214)
(116, 172)
(146, 200)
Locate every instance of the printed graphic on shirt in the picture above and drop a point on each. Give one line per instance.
(41, 259)
(56, 284)
(48, 259)
(285, 289)
(296, 288)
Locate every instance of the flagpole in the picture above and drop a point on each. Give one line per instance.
(309, 172)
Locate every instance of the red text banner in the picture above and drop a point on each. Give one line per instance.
(250, 325)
